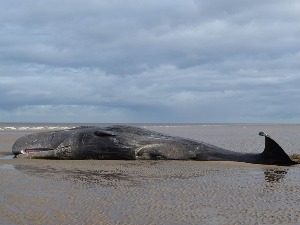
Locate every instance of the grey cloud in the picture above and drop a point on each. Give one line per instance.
(192, 61)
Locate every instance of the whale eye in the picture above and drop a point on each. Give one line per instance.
(102, 133)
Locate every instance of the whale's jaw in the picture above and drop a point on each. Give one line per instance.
(36, 153)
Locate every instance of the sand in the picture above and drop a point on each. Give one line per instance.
(146, 192)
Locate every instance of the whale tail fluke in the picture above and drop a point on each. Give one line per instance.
(273, 153)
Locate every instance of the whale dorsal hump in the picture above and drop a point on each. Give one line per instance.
(273, 153)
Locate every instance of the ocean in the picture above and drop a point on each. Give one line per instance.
(153, 192)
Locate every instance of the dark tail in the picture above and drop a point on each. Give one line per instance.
(273, 153)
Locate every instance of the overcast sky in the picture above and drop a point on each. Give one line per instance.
(150, 61)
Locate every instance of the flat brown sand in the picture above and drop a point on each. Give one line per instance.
(147, 192)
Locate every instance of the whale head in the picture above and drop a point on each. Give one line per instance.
(76, 143)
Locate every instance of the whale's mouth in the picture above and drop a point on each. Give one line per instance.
(35, 150)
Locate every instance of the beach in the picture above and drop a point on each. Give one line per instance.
(153, 192)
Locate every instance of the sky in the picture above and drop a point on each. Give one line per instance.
(145, 61)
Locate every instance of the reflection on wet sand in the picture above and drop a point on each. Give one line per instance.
(120, 192)
(274, 175)
(89, 177)
(106, 177)
(130, 173)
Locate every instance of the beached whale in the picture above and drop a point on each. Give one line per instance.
(130, 143)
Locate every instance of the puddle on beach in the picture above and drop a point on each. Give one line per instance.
(148, 193)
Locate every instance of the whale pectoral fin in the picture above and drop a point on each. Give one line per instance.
(152, 152)
(102, 133)
(273, 153)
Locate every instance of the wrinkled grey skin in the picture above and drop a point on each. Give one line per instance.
(130, 143)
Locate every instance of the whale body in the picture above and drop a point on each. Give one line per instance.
(120, 142)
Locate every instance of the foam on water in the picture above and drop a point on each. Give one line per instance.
(34, 127)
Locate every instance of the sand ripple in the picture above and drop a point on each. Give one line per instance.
(118, 192)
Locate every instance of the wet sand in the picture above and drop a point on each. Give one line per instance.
(152, 192)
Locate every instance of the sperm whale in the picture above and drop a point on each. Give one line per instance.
(133, 143)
